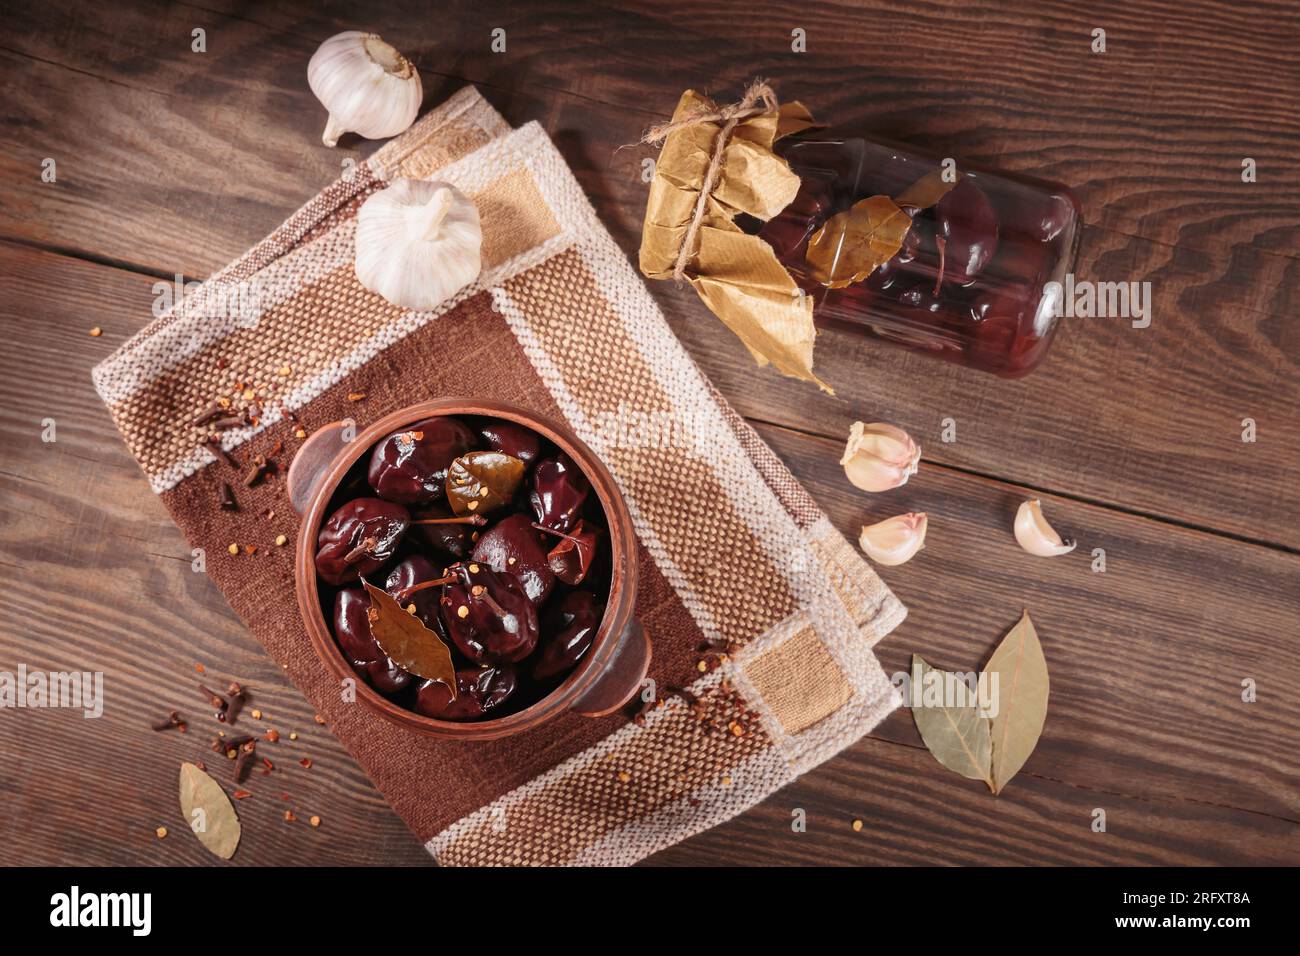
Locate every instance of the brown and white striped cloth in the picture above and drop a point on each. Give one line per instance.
(732, 548)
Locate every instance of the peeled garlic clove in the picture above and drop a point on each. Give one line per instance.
(894, 540)
(367, 86)
(418, 243)
(1037, 536)
(879, 456)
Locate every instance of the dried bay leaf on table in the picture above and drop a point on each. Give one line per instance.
(959, 737)
(1022, 700)
(404, 638)
(209, 812)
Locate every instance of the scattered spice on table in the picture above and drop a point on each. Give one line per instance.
(173, 719)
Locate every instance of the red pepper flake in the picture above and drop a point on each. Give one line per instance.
(269, 766)
(242, 794)
(200, 668)
(289, 817)
(319, 719)
(306, 762)
(272, 735)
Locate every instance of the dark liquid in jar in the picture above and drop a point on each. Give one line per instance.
(1004, 240)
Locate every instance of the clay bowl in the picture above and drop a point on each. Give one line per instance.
(603, 681)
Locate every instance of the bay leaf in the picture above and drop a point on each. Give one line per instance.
(404, 638)
(209, 811)
(483, 481)
(852, 244)
(957, 736)
(926, 191)
(1021, 671)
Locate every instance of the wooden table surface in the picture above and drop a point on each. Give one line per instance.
(170, 161)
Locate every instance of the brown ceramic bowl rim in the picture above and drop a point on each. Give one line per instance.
(623, 579)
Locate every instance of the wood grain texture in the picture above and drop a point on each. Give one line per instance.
(171, 161)
(224, 145)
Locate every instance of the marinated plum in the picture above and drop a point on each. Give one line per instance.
(410, 466)
(559, 490)
(987, 237)
(478, 692)
(514, 546)
(352, 627)
(572, 625)
(488, 615)
(517, 594)
(358, 538)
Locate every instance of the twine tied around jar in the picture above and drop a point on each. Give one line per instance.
(729, 116)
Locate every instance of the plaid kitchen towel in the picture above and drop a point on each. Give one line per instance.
(731, 547)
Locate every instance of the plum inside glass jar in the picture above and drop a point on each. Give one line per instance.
(492, 538)
(972, 281)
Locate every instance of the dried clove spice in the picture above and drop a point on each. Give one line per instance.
(237, 697)
(718, 645)
(218, 702)
(244, 759)
(213, 444)
(256, 471)
(644, 710)
(228, 502)
(171, 720)
(212, 413)
(684, 694)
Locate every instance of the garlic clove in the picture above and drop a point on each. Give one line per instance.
(1035, 535)
(879, 456)
(418, 243)
(894, 540)
(365, 84)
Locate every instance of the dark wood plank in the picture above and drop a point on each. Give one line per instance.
(1147, 658)
(914, 813)
(1152, 132)
(1146, 719)
(1148, 420)
(97, 578)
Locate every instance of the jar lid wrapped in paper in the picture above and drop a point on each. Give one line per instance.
(716, 163)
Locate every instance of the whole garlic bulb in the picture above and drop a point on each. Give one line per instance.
(879, 456)
(418, 243)
(367, 86)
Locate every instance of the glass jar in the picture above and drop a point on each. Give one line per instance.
(978, 278)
